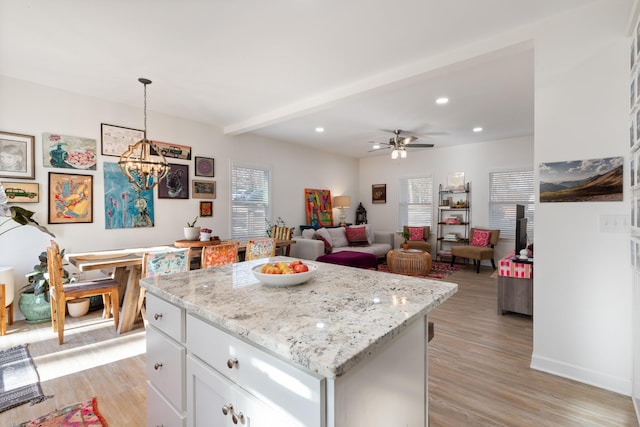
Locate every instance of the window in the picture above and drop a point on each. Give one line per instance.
(506, 190)
(250, 197)
(415, 201)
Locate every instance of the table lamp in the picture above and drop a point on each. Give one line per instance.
(342, 203)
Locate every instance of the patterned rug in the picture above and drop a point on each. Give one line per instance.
(19, 381)
(84, 414)
(439, 270)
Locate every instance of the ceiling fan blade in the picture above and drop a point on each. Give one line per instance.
(419, 145)
(408, 140)
(378, 149)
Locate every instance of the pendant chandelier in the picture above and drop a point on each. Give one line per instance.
(141, 167)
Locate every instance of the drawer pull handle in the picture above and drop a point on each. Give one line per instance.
(235, 418)
(157, 366)
(232, 362)
(157, 316)
(227, 408)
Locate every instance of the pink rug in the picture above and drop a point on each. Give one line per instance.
(439, 270)
(84, 414)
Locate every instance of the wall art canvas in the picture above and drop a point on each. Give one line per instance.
(593, 180)
(318, 207)
(176, 184)
(16, 156)
(205, 166)
(379, 193)
(117, 139)
(174, 151)
(21, 192)
(206, 208)
(203, 189)
(125, 205)
(71, 152)
(70, 198)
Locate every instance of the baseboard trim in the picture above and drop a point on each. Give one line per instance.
(596, 379)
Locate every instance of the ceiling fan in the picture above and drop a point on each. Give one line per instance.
(399, 143)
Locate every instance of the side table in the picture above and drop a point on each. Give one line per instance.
(412, 262)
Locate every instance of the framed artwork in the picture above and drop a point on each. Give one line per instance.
(203, 189)
(21, 192)
(16, 156)
(115, 140)
(125, 205)
(379, 193)
(70, 198)
(318, 207)
(205, 166)
(70, 152)
(592, 180)
(206, 208)
(175, 151)
(455, 181)
(176, 184)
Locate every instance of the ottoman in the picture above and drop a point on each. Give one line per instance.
(351, 259)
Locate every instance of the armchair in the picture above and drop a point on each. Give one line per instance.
(423, 242)
(480, 247)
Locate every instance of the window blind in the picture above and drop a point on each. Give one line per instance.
(250, 201)
(506, 190)
(415, 201)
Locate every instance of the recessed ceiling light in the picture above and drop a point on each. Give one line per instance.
(477, 129)
(319, 129)
(442, 100)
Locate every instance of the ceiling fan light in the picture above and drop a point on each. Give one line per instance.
(394, 154)
(376, 146)
(403, 154)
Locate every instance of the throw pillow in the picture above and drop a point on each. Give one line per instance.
(308, 233)
(338, 237)
(357, 236)
(416, 233)
(325, 235)
(327, 246)
(368, 229)
(480, 238)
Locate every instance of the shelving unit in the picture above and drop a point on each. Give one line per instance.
(454, 218)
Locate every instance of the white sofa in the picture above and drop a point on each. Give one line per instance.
(307, 247)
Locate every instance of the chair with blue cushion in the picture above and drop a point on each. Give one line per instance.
(161, 263)
(260, 248)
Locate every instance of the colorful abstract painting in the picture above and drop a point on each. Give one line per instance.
(70, 152)
(70, 198)
(318, 207)
(125, 205)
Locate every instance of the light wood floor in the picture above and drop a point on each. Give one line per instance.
(479, 371)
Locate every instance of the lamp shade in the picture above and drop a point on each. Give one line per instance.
(342, 202)
(6, 278)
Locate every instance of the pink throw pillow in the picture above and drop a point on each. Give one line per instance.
(357, 236)
(416, 233)
(480, 238)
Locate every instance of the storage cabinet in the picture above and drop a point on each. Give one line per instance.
(454, 219)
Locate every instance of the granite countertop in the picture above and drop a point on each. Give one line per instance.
(326, 325)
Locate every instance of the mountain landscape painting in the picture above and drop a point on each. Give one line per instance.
(593, 180)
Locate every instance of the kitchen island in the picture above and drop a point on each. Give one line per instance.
(346, 348)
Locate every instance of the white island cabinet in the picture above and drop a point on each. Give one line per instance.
(348, 348)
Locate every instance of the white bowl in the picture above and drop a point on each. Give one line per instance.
(285, 279)
(78, 307)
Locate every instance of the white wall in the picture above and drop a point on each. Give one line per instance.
(31, 109)
(582, 297)
(476, 161)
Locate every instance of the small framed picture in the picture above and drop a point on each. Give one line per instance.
(379, 193)
(67, 151)
(117, 139)
(21, 192)
(455, 181)
(204, 166)
(70, 198)
(176, 184)
(206, 208)
(203, 189)
(16, 156)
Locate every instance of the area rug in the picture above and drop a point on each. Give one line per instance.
(439, 270)
(82, 414)
(19, 381)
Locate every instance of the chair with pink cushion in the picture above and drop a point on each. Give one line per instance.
(481, 244)
(418, 237)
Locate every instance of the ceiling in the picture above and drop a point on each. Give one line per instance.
(280, 68)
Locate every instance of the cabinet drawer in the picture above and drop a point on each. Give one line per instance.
(165, 367)
(166, 317)
(159, 412)
(277, 383)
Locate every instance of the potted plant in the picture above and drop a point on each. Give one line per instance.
(405, 235)
(34, 297)
(191, 232)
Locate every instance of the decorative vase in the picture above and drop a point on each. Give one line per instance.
(35, 308)
(78, 307)
(191, 233)
(205, 237)
(405, 246)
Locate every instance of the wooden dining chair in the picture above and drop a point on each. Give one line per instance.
(160, 263)
(225, 253)
(279, 232)
(60, 292)
(260, 248)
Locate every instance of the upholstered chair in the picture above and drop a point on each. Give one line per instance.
(481, 244)
(160, 263)
(419, 237)
(260, 248)
(226, 253)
